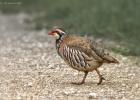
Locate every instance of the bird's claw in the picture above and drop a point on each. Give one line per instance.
(77, 83)
(100, 81)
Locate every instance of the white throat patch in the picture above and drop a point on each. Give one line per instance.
(56, 36)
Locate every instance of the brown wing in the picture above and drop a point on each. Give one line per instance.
(90, 48)
(101, 52)
(83, 45)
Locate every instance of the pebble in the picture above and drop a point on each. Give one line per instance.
(92, 95)
(123, 85)
(136, 85)
(30, 84)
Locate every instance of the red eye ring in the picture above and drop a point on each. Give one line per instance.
(52, 32)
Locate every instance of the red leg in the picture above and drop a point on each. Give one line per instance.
(83, 81)
(101, 78)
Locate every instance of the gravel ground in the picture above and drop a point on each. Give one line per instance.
(32, 70)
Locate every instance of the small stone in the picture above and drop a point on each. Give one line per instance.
(30, 84)
(124, 58)
(75, 74)
(136, 85)
(124, 85)
(92, 95)
(101, 69)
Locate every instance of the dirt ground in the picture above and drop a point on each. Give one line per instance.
(30, 69)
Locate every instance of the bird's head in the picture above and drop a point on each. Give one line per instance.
(57, 33)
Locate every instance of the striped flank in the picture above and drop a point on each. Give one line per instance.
(75, 58)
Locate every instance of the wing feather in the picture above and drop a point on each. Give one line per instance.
(85, 46)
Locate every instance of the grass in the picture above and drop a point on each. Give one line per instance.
(116, 20)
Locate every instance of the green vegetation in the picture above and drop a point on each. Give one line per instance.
(117, 20)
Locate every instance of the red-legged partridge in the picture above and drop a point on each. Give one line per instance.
(81, 53)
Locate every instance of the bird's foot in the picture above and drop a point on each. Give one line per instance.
(77, 83)
(100, 80)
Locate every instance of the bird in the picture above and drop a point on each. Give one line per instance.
(81, 53)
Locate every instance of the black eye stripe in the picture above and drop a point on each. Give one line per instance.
(59, 34)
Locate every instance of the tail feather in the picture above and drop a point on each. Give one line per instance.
(110, 59)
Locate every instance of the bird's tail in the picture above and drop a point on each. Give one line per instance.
(110, 59)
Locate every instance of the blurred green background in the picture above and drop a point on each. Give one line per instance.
(114, 20)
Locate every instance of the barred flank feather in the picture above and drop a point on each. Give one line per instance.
(74, 58)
